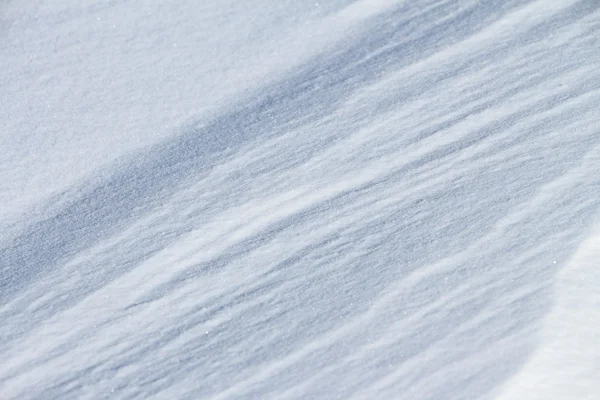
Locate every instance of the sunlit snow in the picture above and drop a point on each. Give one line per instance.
(293, 199)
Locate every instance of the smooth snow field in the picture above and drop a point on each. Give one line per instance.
(339, 199)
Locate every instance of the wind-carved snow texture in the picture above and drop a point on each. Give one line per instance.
(384, 219)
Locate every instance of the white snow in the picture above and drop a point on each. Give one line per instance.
(567, 364)
(293, 199)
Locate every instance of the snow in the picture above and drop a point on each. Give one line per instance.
(567, 365)
(343, 199)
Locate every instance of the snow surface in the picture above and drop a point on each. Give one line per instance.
(293, 199)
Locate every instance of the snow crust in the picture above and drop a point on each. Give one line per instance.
(294, 200)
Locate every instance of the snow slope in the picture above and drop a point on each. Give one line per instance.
(566, 367)
(368, 199)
